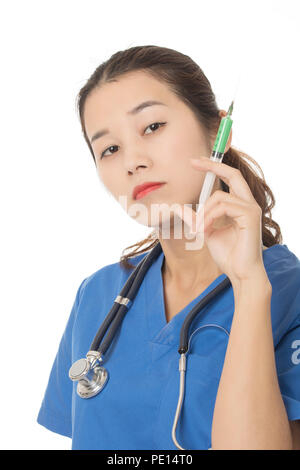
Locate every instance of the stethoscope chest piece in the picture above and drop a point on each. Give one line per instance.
(91, 378)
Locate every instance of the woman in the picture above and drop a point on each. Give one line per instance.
(242, 380)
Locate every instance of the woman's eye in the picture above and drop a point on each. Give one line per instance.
(153, 124)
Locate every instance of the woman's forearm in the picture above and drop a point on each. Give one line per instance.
(249, 411)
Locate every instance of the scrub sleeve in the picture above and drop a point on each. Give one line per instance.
(287, 356)
(55, 412)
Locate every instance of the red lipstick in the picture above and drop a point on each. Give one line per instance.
(145, 188)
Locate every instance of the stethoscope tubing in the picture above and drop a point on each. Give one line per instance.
(117, 313)
(122, 304)
(129, 291)
(184, 332)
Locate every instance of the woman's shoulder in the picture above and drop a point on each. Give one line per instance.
(110, 277)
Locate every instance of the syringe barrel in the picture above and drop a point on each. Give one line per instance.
(223, 134)
(206, 189)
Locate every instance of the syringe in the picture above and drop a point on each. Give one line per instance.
(217, 155)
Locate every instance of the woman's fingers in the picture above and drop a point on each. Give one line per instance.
(231, 176)
(234, 204)
(245, 216)
(214, 200)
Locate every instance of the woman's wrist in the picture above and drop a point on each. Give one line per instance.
(257, 283)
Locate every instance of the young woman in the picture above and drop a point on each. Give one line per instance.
(145, 113)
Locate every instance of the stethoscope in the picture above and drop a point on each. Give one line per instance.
(88, 372)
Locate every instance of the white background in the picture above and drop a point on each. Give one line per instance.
(53, 207)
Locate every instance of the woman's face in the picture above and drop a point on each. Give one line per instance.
(134, 151)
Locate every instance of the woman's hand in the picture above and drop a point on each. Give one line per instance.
(236, 247)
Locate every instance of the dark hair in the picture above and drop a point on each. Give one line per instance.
(185, 79)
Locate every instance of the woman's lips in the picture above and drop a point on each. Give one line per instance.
(148, 190)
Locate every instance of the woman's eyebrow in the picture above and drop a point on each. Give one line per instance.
(133, 111)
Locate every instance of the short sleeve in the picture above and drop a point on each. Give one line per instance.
(287, 355)
(56, 409)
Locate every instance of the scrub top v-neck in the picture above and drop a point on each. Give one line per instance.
(136, 408)
(159, 329)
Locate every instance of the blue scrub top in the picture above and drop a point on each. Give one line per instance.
(136, 408)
